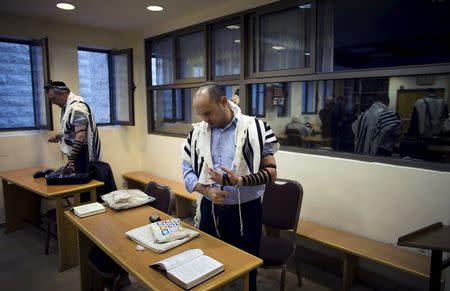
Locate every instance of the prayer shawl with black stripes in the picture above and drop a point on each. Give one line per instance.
(76, 104)
(250, 136)
(373, 127)
(428, 117)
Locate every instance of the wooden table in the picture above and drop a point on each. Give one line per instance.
(183, 199)
(23, 205)
(107, 230)
(435, 237)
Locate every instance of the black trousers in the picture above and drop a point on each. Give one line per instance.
(228, 221)
(82, 162)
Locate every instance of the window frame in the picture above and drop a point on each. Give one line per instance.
(46, 75)
(255, 54)
(248, 77)
(111, 80)
(219, 25)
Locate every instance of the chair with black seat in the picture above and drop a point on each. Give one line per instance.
(107, 268)
(281, 206)
(163, 195)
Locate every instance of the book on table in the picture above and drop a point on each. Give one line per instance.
(189, 268)
(89, 209)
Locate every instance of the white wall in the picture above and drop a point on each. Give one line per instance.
(121, 145)
(376, 200)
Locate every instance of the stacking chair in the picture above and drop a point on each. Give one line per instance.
(163, 196)
(281, 206)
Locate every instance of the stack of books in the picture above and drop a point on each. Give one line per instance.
(89, 209)
(162, 235)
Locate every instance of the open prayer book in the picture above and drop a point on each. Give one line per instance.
(189, 268)
(162, 235)
(89, 209)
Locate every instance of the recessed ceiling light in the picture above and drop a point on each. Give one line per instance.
(65, 6)
(233, 26)
(305, 6)
(237, 40)
(155, 8)
(279, 47)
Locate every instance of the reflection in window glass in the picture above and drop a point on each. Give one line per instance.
(162, 61)
(190, 55)
(285, 39)
(226, 44)
(308, 97)
(93, 73)
(257, 106)
(370, 116)
(397, 33)
(16, 90)
(183, 104)
(175, 105)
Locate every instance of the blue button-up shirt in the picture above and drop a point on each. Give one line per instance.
(222, 152)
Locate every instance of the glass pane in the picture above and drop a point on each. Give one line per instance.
(172, 110)
(285, 39)
(162, 61)
(38, 84)
(308, 97)
(190, 56)
(93, 73)
(397, 33)
(183, 104)
(167, 102)
(16, 90)
(226, 45)
(121, 87)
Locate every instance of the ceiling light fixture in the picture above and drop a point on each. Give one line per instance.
(233, 26)
(66, 5)
(305, 6)
(237, 40)
(279, 47)
(155, 8)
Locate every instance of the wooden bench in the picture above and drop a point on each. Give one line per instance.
(183, 199)
(354, 246)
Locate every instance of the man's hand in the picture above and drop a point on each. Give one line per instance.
(218, 176)
(54, 139)
(216, 195)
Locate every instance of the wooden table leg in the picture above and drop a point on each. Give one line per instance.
(67, 236)
(246, 283)
(349, 271)
(85, 245)
(20, 205)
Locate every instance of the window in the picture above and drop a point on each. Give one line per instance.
(190, 53)
(285, 40)
(309, 97)
(397, 33)
(106, 84)
(23, 74)
(257, 100)
(226, 50)
(315, 67)
(162, 61)
(172, 110)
